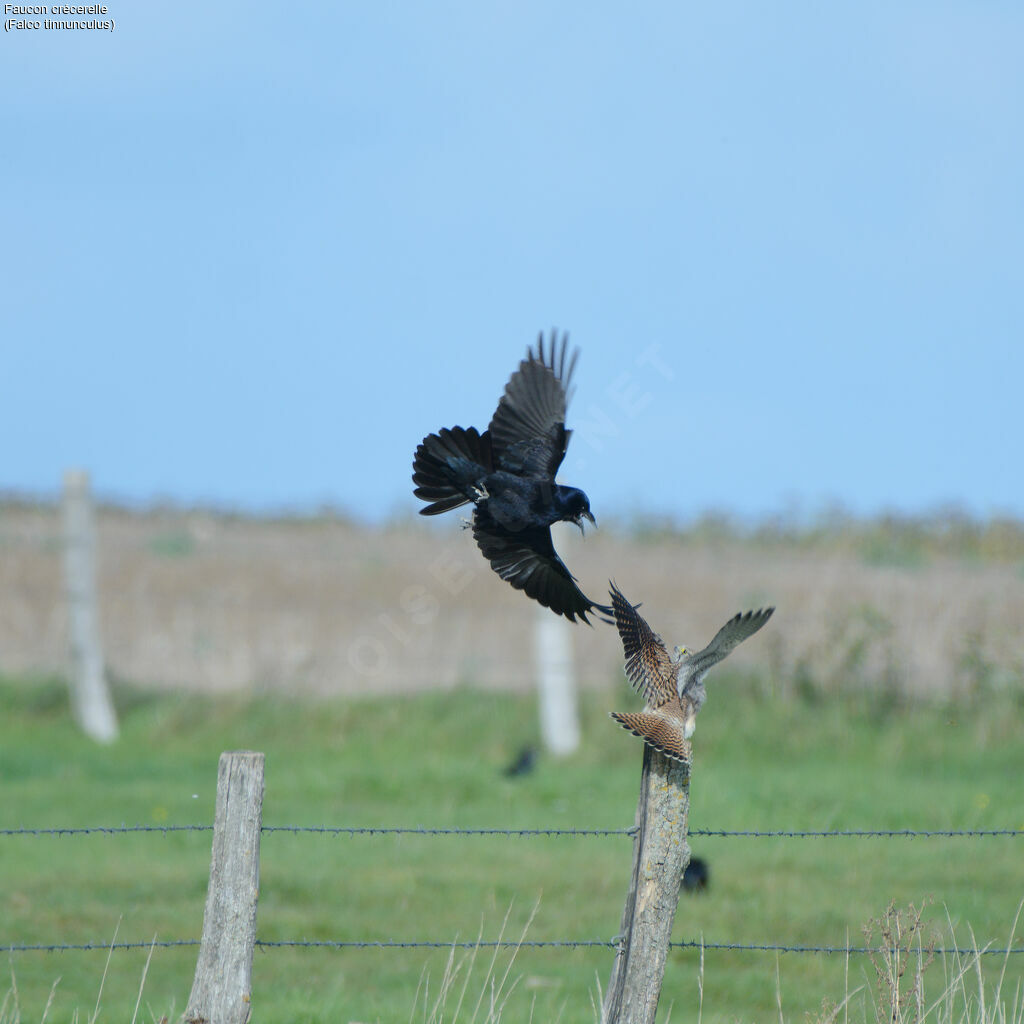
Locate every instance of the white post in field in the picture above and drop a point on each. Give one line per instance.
(556, 682)
(90, 698)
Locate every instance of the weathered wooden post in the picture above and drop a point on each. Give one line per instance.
(660, 856)
(90, 698)
(556, 683)
(223, 981)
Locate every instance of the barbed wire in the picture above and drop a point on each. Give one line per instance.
(858, 833)
(744, 833)
(62, 947)
(422, 830)
(103, 830)
(613, 943)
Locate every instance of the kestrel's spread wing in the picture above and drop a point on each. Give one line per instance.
(673, 689)
(649, 667)
(733, 633)
(528, 427)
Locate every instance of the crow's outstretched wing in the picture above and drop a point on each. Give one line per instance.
(527, 430)
(526, 558)
(649, 667)
(733, 633)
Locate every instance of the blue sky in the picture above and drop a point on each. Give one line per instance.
(252, 253)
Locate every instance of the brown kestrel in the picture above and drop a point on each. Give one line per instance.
(671, 684)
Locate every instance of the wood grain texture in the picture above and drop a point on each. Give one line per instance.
(221, 991)
(660, 856)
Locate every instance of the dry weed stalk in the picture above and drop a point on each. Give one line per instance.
(494, 992)
(901, 946)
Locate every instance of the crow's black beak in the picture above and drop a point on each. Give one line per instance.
(586, 514)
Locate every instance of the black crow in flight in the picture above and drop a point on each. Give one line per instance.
(508, 472)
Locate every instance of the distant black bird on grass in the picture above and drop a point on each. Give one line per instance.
(524, 763)
(508, 472)
(697, 875)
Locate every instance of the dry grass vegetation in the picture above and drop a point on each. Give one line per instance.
(196, 600)
(902, 990)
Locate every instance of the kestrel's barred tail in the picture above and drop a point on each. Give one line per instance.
(659, 732)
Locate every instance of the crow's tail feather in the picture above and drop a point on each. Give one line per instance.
(449, 466)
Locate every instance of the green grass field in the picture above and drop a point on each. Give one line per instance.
(437, 760)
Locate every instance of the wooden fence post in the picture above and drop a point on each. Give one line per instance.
(90, 698)
(660, 856)
(222, 986)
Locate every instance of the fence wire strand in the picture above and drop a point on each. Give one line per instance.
(420, 830)
(109, 830)
(767, 947)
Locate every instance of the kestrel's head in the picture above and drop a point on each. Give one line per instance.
(680, 653)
